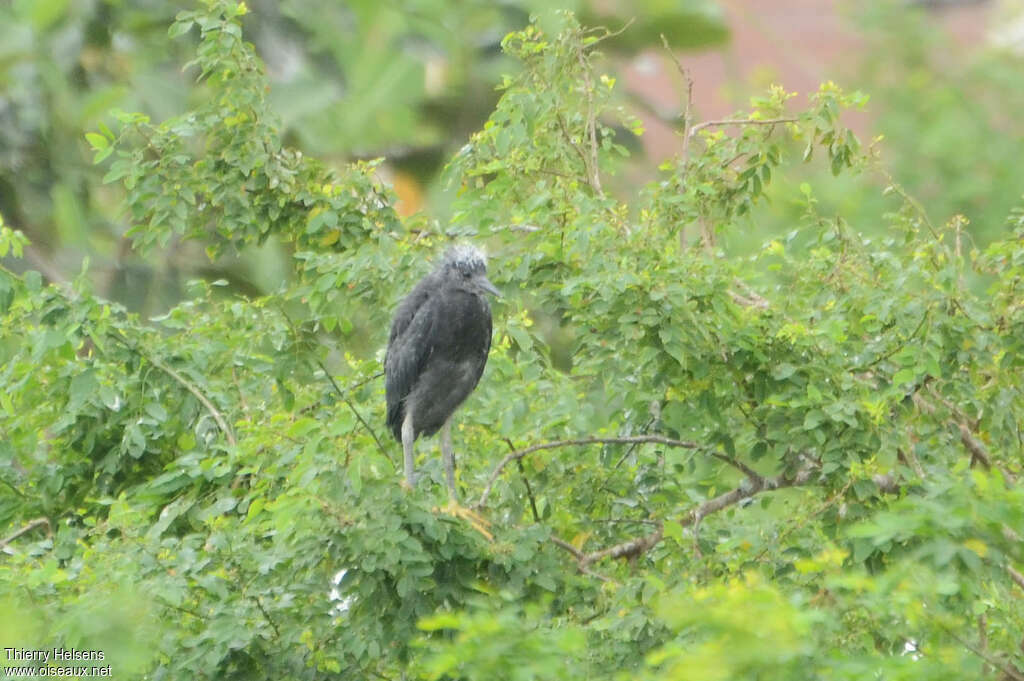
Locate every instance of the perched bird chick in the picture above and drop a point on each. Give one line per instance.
(437, 350)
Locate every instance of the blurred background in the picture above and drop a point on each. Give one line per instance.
(410, 80)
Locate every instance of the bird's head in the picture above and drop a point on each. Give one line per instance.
(466, 267)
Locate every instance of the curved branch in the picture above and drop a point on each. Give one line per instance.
(32, 524)
(519, 454)
(639, 545)
(185, 383)
(221, 423)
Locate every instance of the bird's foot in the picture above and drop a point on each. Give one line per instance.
(475, 520)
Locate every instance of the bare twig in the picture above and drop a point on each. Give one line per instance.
(608, 33)
(687, 123)
(740, 122)
(593, 173)
(688, 105)
(31, 525)
(519, 454)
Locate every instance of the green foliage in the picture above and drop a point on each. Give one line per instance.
(355, 79)
(801, 463)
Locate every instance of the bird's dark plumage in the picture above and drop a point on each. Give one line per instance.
(438, 345)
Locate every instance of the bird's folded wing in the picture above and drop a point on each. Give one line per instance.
(406, 357)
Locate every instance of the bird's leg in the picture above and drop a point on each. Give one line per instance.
(408, 441)
(449, 459)
(478, 523)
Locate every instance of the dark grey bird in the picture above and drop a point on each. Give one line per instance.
(437, 350)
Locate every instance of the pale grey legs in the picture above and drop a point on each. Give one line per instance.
(449, 458)
(447, 453)
(408, 440)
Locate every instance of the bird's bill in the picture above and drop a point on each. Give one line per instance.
(486, 285)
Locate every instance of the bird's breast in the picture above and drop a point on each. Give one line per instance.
(463, 325)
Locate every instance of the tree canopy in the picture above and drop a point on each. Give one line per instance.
(801, 462)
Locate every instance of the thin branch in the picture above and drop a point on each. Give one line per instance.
(32, 524)
(629, 450)
(179, 608)
(738, 465)
(908, 457)
(578, 555)
(1017, 577)
(576, 147)
(359, 417)
(562, 544)
(688, 106)
(14, 489)
(742, 492)
(793, 527)
(259, 604)
(1008, 672)
(983, 637)
(526, 480)
(593, 175)
(965, 427)
(913, 203)
(221, 423)
(752, 300)
(687, 117)
(974, 446)
(360, 384)
(738, 121)
(899, 345)
(185, 383)
(639, 545)
(626, 549)
(608, 33)
(519, 454)
(241, 395)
